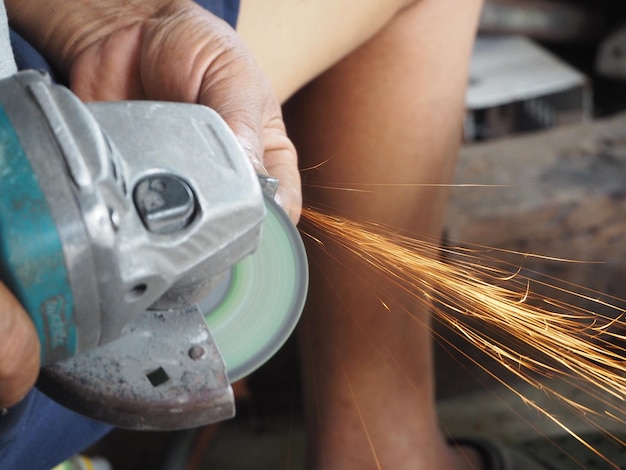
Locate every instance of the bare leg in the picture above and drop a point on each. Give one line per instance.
(390, 112)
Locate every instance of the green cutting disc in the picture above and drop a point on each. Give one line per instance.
(262, 297)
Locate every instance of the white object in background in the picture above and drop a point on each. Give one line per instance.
(517, 85)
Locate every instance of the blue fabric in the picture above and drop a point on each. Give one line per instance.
(228, 10)
(26, 57)
(38, 433)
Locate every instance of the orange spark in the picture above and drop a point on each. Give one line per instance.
(568, 342)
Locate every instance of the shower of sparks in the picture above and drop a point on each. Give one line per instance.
(559, 339)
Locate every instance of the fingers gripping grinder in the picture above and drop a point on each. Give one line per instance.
(140, 241)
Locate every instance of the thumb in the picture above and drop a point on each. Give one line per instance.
(19, 350)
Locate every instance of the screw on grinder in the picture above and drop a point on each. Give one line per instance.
(140, 242)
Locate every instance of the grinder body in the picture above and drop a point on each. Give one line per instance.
(115, 218)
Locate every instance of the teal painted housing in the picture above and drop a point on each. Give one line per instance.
(31, 255)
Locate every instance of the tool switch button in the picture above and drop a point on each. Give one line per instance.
(165, 203)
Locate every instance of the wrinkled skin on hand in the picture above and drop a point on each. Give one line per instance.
(170, 50)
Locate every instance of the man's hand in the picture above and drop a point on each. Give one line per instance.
(19, 350)
(170, 50)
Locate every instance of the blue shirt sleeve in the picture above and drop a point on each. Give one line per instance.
(38, 433)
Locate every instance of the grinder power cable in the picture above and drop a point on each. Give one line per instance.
(155, 267)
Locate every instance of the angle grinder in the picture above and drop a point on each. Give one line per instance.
(153, 261)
